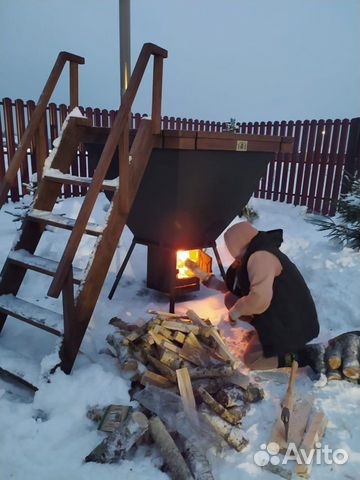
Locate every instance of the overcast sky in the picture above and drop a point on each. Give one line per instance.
(248, 59)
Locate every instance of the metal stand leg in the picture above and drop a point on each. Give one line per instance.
(122, 268)
(219, 262)
(172, 291)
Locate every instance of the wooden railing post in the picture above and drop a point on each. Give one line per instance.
(74, 85)
(41, 148)
(157, 93)
(124, 170)
(17, 159)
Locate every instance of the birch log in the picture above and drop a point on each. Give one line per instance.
(234, 436)
(115, 446)
(350, 356)
(231, 417)
(169, 451)
(196, 459)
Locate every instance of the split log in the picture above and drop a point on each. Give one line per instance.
(230, 417)
(96, 413)
(130, 369)
(167, 314)
(192, 341)
(121, 325)
(171, 359)
(234, 436)
(212, 385)
(169, 451)
(116, 445)
(194, 317)
(181, 326)
(113, 418)
(179, 337)
(240, 410)
(314, 434)
(333, 355)
(333, 374)
(230, 396)
(116, 343)
(200, 372)
(253, 393)
(195, 458)
(162, 368)
(186, 393)
(195, 355)
(350, 356)
(165, 332)
(151, 378)
(298, 421)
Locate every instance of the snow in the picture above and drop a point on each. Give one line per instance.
(50, 435)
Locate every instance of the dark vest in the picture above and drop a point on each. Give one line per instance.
(291, 320)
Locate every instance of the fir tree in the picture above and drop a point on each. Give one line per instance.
(346, 226)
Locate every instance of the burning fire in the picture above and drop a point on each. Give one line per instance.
(181, 257)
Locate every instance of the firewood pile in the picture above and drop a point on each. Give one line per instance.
(191, 395)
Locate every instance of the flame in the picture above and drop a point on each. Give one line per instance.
(181, 257)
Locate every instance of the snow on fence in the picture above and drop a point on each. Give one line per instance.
(312, 175)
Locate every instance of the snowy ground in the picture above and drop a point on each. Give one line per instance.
(48, 436)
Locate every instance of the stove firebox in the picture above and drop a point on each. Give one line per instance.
(194, 185)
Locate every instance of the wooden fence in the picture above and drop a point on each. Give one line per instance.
(311, 176)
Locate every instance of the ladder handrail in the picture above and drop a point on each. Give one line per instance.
(36, 117)
(117, 130)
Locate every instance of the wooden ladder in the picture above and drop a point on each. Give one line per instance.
(77, 311)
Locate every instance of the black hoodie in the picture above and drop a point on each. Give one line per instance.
(291, 320)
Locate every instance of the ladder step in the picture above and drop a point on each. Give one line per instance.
(33, 314)
(59, 177)
(62, 222)
(40, 264)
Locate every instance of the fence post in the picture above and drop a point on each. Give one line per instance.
(352, 156)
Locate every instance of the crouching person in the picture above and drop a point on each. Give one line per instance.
(265, 288)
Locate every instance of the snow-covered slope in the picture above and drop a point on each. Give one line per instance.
(49, 437)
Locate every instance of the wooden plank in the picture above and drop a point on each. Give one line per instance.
(315, 164)
(53, 122)
(314, 434)
(286, 164)
(11, 148)
(294, 163)
(44, 217)
(74, 85)
(308, 163)
(30, 313)
(279, 165)
(181, 326)
(30, 107)
(39, 264)
(297, 424)
(186, 392)
(151, 378)
(271, 166)
(140, 153)
(323, 166)
(167, 314)
(20, 128)
(340, 161)
(301, 161)
(38, 114)
(2, 157)
(331, 167)
(179, 337)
